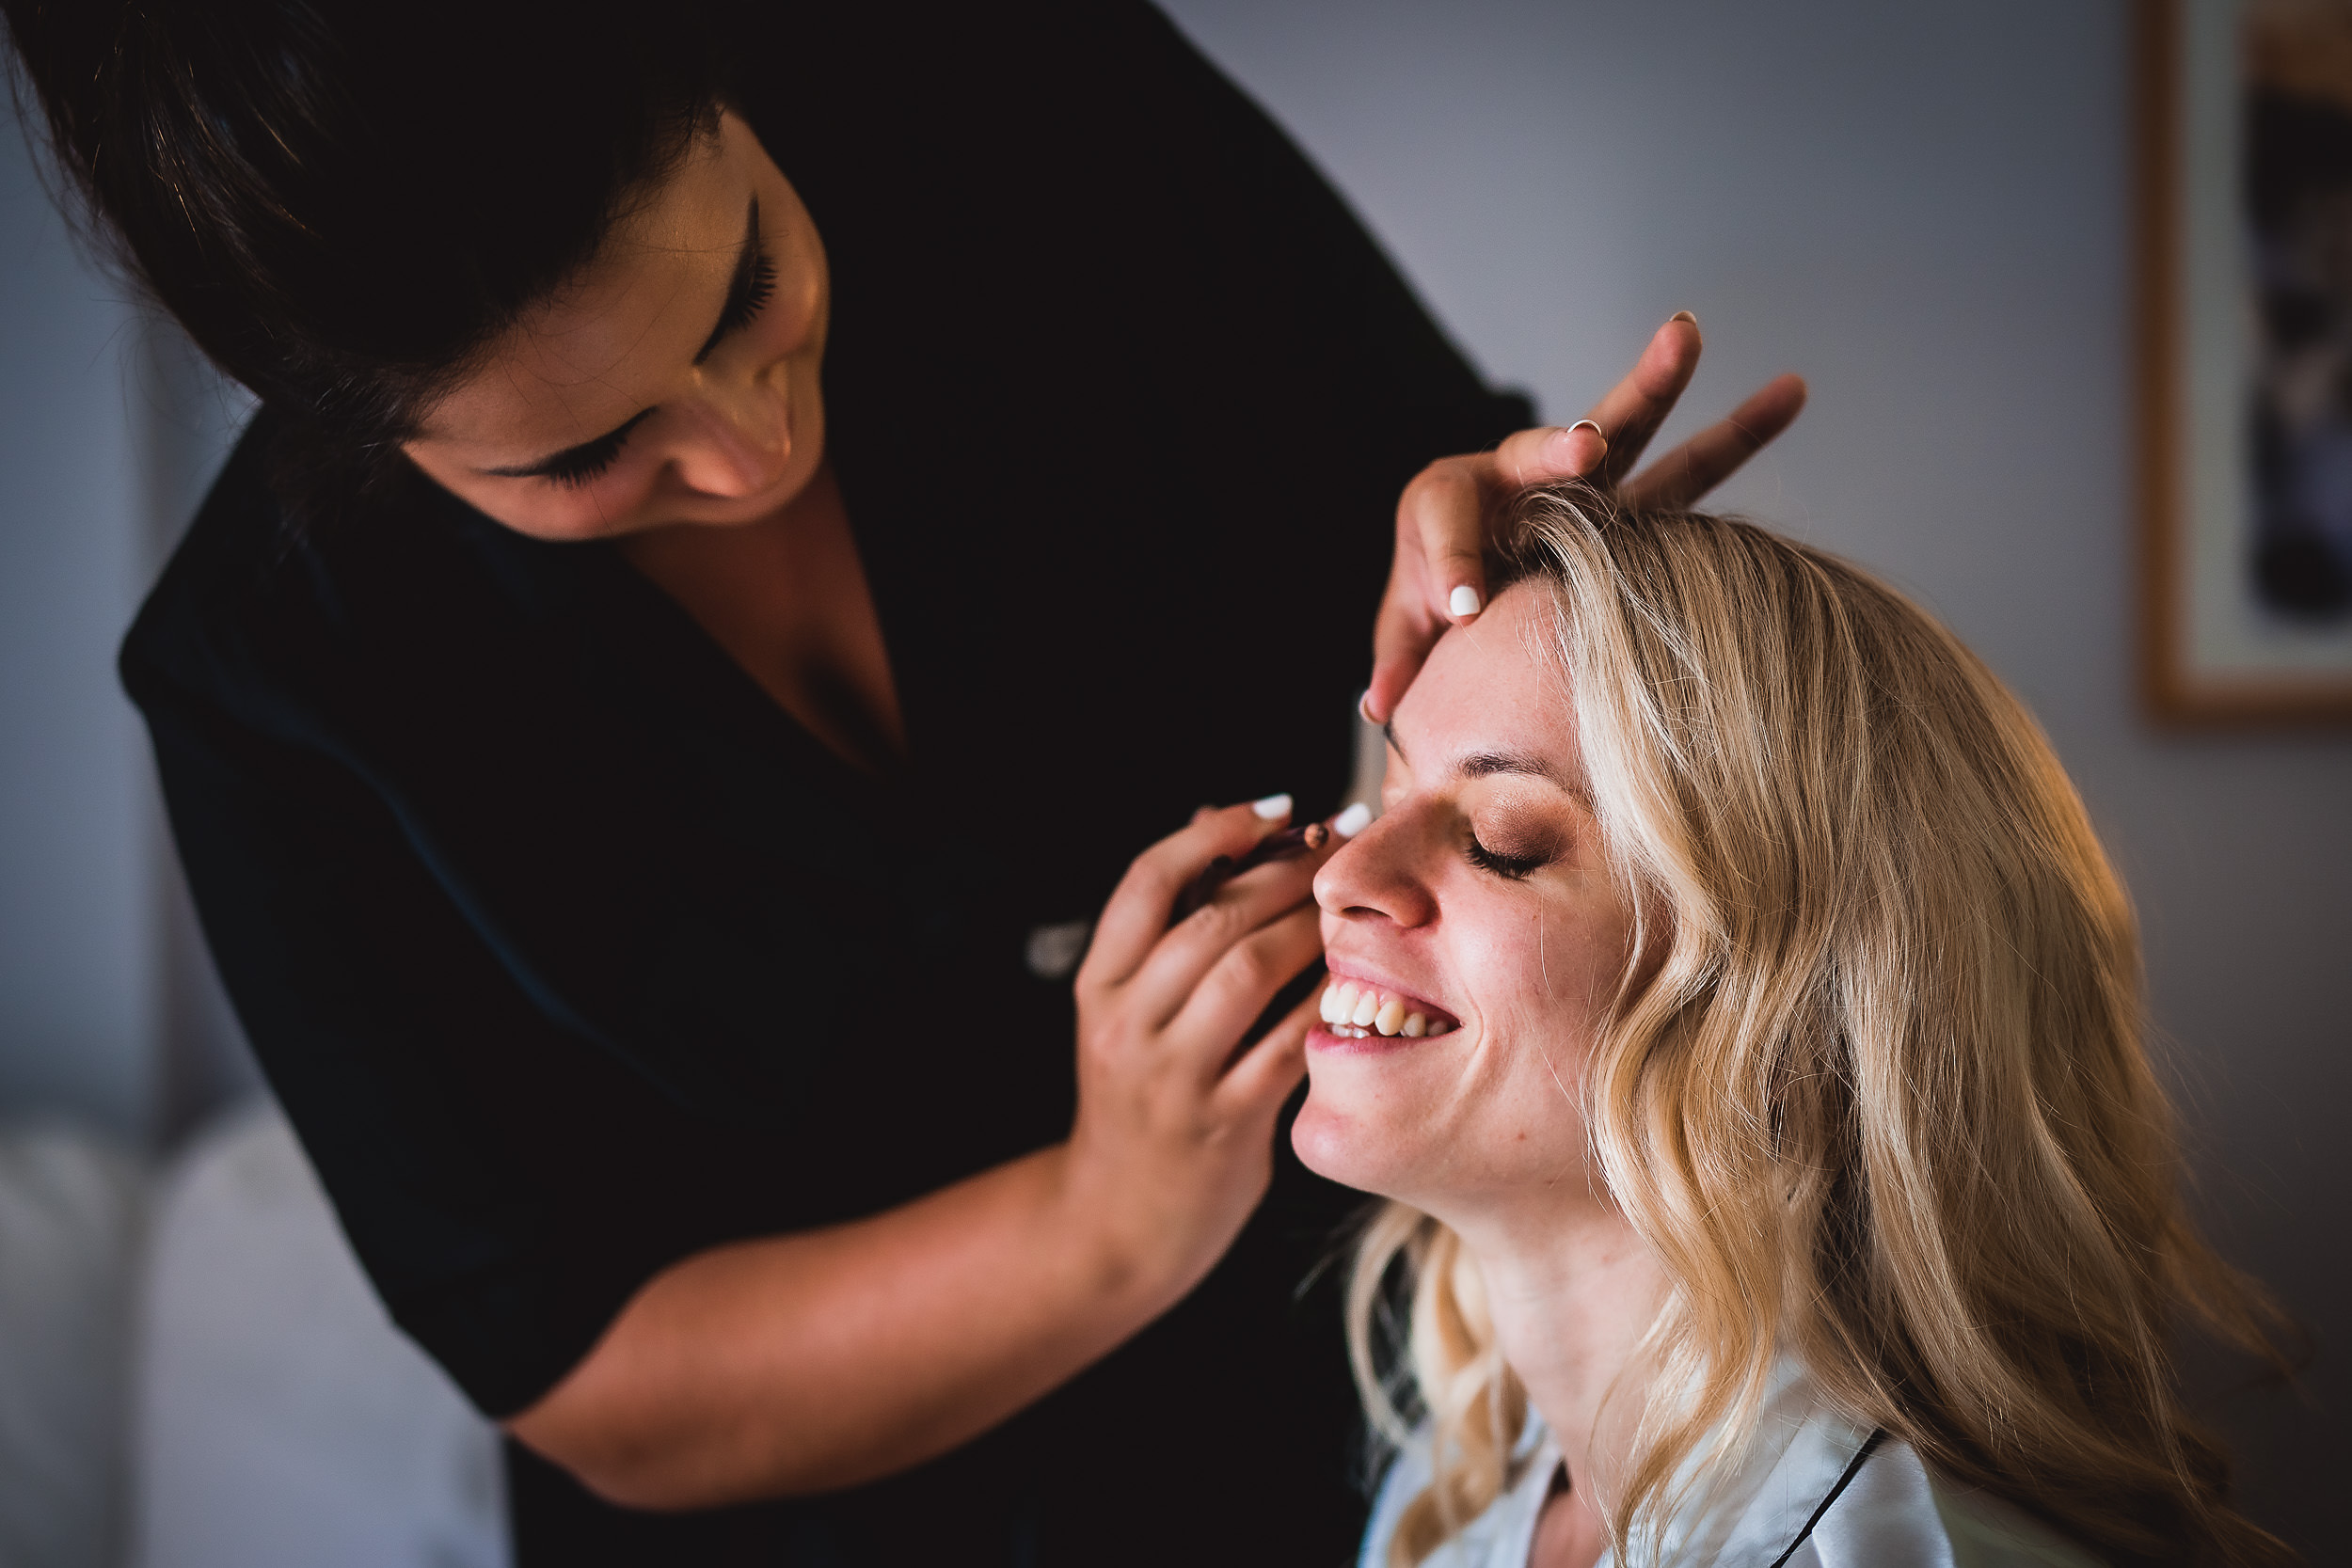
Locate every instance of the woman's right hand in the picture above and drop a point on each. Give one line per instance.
(1173, 1143)
(807, 1362)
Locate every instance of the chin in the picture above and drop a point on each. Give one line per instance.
(1345, 1147)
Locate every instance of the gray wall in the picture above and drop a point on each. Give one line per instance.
(111, 426)
(1921, 207)
(78, 937)
(1924, 209)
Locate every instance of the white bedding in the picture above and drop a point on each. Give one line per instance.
(71, 1207)
(281, 1421)
(194, 1374)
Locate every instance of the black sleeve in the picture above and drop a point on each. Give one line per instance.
(396, 1041)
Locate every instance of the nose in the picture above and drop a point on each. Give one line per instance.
(739, 433)
(1377, 875)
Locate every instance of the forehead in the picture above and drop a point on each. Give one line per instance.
(1493, 688)
(597, 351)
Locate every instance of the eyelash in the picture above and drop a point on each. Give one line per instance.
(739, 312)
(1514, 868)
(587, 464)
(579, 467)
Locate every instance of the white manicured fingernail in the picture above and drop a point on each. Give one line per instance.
(1363, 708)
(1464, 601)
(1273, 808)
(1354, 820)
(1684, 316)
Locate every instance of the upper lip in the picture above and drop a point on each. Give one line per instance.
(1349, 970)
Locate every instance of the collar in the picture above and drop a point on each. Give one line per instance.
(1746, 1512)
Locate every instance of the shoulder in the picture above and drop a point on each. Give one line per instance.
(1897, 1512)
(1890, 1513)
(1500, 1537)
(277, 624)
(222, 564)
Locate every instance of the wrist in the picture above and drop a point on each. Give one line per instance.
(1124, 1257)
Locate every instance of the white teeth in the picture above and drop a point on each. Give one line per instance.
(1355, 1011)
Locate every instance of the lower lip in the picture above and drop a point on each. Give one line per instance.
(1320, 1038)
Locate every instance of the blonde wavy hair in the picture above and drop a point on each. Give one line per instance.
(1875, 1086)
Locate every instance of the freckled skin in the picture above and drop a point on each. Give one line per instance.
(1485, 1113)
(1480, 1127)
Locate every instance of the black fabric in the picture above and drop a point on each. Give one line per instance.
(569, 954)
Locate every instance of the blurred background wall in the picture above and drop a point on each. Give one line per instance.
(1922, 208)
(111, 428)
(77, 943)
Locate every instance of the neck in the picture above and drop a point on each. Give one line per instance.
(787, 597)
(1571, 1294)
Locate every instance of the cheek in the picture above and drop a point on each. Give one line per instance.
(1501, 1109)
(797, 324)
(795, 320)
(1430, 1128)
(1554, 974)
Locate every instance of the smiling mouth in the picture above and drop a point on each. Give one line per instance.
(1354, 1012)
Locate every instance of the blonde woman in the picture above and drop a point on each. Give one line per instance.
(1744, 1024)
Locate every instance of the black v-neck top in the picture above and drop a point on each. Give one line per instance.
(570, 954)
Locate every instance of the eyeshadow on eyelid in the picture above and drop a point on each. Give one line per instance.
(1522, 830)
(1519, 838)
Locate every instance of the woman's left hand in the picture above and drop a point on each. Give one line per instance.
(1449, 513)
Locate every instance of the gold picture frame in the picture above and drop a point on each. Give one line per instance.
(2245, 396)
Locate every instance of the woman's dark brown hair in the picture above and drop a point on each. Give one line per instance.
(344, 200)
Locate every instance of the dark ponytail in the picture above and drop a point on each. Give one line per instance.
(343, 201)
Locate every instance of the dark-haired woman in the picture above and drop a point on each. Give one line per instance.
(754, 517)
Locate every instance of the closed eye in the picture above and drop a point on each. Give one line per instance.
(581, 465)
(752, 285)
(1511, 868)
(759, 286)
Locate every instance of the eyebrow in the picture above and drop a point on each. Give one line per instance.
(739, 292)
(1487, 764)
(1484, 765)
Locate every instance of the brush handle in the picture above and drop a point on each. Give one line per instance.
(1287, 844)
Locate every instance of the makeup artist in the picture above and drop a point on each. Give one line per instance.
(754, 518)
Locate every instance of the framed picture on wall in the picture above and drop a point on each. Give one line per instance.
(2245, 132)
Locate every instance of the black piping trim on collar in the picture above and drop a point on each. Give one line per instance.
(1854, 1468)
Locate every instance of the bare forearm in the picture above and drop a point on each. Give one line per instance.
(808, 1362)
